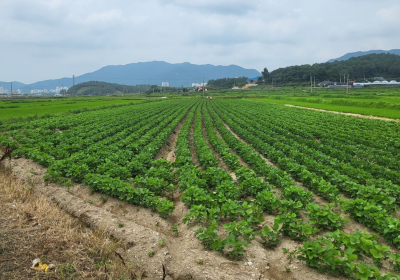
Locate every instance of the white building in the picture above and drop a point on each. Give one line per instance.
(165, 84)
(58, 89)
(38, 90)
(3, 90)
(199, 85)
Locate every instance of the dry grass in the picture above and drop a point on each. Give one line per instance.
(32, 227)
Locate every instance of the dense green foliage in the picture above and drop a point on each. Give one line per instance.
(351, 163)
(368, 66)
(226, 82)
(94, 88)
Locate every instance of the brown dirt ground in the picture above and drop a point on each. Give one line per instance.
(347, 114)
(192, 148)
(168, 149)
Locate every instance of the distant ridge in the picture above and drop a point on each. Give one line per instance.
(360, 53)
(151, 73)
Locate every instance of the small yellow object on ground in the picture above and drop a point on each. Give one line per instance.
(39, 266)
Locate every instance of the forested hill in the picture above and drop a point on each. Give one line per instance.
(356, 54)
(102, 88)
(370, 66)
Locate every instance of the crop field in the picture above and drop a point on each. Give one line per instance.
(240, 189)
(29, 108)
(382, 102)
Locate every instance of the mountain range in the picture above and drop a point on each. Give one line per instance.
(356, 54)
(149, 73)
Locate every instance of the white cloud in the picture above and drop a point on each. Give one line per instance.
(390, 15)
(51, 39)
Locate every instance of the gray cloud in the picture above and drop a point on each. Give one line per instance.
(51, 39)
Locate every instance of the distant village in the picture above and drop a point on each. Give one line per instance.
(377, 81)
(61, 91)
(33, 92)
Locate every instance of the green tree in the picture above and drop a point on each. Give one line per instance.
(265, 74)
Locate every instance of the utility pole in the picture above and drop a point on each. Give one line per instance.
(314, 81)
(203, 87)
(73, 83)
(272, 82)
(347, 91)
(11, 90)
(311, 82)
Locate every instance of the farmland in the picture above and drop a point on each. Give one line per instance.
(276, 190)
(19, 109)
(382, 102)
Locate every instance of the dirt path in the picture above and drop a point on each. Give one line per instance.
(169, 147)
(346, 114)
(191, 144)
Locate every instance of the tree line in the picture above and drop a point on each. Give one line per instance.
(226, 82)
(368, 66)
(102, 88)
(95, 88)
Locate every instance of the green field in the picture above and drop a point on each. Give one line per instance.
(22, 108)
(381, 102)
(333, 187)
(376, 101)
(379, 112)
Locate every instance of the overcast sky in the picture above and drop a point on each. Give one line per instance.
(49, 39)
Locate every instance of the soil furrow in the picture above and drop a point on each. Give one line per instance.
(192, 147)
(169, 147)
(221, 163)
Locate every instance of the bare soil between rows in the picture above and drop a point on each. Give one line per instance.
(144, 231)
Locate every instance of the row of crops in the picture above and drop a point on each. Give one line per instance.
(352, 163)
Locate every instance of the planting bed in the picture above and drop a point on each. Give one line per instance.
(225, 189)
